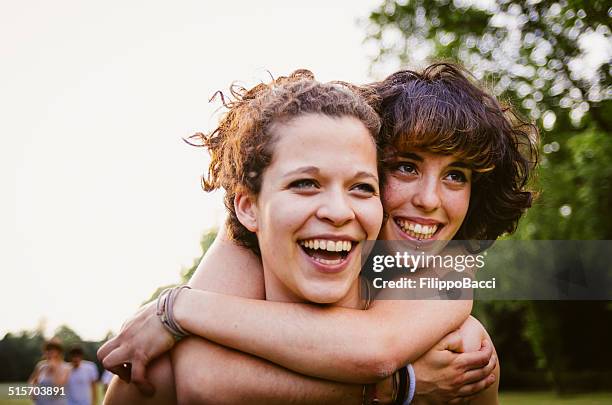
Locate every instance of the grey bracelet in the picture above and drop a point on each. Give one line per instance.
(165, 306)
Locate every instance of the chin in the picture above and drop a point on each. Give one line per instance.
(326, 294)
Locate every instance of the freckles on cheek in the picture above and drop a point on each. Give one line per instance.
(393, 194)
(459, 206)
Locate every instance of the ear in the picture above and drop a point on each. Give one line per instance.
(246, 210)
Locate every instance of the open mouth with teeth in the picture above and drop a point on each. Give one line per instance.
(416, 230)
(327, 252)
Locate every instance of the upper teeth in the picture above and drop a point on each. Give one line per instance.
(417, 230)
(329, 245)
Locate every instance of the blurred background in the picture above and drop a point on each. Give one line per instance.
(104, 204)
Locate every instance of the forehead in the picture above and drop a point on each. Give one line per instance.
(323, 141)
(427, 156)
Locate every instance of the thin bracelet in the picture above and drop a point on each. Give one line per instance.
(175, 293)
(402, 392)
(412, 387)
(165, 306)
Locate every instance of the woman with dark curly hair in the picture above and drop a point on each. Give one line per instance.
(455, 165)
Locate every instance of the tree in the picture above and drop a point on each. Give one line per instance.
(19, 353)
(67, 336)
(538, 55)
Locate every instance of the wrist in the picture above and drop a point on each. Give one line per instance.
(180, 308)
(166, 311)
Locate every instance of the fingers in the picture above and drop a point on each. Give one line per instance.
(478, 374)
(470, 390)
(453, 342)
(479, 359)
(123, 371)
(129, 370)
(118, 362)
(140, 380)
(106, 348)
(460, 400)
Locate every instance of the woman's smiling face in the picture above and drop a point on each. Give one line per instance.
(426, 196)
(319, 201)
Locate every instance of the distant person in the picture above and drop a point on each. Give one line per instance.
(81, 387)
(105, 379)
(50, 376)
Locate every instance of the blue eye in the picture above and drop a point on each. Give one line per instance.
(303, 184)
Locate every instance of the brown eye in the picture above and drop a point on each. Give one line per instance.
(457, 176)
(406, 168)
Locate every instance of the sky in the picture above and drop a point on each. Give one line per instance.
(101, 201)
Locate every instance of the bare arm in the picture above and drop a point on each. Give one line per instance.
(366, 345)
(260, 381)
(203, 372)
(232, 377)
(198, 382)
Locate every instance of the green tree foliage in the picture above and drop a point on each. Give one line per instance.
(19, 353)
(538, 55)
(535, 52)
(67, 336)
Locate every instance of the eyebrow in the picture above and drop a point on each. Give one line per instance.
(366, 174)
(419, 158)
(312, 170)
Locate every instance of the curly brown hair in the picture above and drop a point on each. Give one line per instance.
(442, 110)
(242, 145)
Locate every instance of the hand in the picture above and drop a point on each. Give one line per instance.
(141, 339)
(446, 375)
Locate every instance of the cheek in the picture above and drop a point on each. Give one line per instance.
(396, 193)
(457, 206)
(370, 215)
(284, 215)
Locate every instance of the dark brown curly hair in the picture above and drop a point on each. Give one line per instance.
(242, 145)
(442, 110)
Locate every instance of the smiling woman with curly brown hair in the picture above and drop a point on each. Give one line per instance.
(455, 166)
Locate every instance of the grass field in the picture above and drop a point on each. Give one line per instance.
(548, 398)
(506, 398)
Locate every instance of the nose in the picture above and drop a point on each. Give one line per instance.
(427, 194)
(335, 208)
